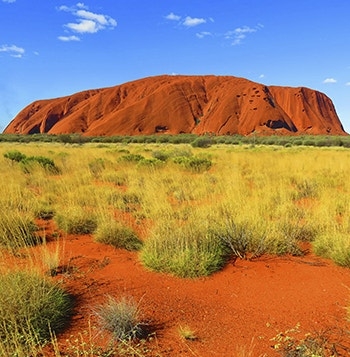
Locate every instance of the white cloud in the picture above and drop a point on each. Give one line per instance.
(237, 35)
(83, 26)
(188, 21)
(9, 1)
(203, 34)
(330, 80)
(86, 21)
(81, 5)
(102, 20)
(193, 21)
(347, 83)
(262, 75)
(173, 17)
(64, 8)
(68, 38)
(13, 50)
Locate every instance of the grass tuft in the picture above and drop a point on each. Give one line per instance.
(187, 251)
(120, 318)
(17, 230)
(31, 309)
(76, 220)
(117, 234)
(187, 333)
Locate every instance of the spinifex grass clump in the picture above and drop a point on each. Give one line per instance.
(117, 234)
(17, 230)
(120, 318)
(270, 207)
(187, 250)
(76, 220)
(334, 246)
(240, 238)
(31, 309)
(44, 211)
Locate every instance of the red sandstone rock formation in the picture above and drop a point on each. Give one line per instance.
(183, 104)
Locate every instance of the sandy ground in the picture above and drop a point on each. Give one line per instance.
(235, 312)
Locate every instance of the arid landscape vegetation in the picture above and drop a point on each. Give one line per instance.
(163, 249)
(174, 178)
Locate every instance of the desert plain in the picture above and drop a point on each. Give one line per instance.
(228, 250)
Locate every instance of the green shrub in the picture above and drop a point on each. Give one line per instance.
(297, 142)
(117, 234)
(31, 309)
(309, 142)
(161, 155)
(202, 142)
(194, 163)
(28, 161)
(131, 158)
(14, 155)
(45, 162)
(120, 317)
(151, 162)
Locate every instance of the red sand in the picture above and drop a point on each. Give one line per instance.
(243, 306)
(221, 105)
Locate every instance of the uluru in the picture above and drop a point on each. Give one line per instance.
(173, 104)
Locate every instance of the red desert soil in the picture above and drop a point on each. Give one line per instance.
(221, 105)
(240, 307)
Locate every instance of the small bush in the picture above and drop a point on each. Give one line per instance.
(161, 155)
(194, 164)
(14, 155)
(152, 162)
(31, 309)
(120, 318)
(27, 162)
(309, 142)
(202, 142)
(118, 235)
(46, 163)
(131, 158)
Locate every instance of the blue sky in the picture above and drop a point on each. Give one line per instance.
(51, 48)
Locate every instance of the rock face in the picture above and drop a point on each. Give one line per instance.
(183, 104)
